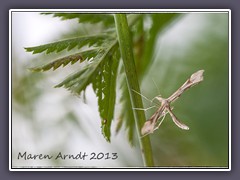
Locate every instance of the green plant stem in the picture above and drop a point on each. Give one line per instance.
(125, 45)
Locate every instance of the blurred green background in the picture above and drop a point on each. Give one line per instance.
(198, 41)
(50, 120)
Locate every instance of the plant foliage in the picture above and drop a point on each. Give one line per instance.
(105, 88)
(102, 62)
(100, 54)
(106, 19)
(82, 56)
(69, 44)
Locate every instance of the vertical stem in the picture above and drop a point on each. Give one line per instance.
(125, 45)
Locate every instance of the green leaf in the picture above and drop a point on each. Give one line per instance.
(79, 81)
(105, 88)
(106, 19)
(102, 74)
(95, 40)
(82, 56)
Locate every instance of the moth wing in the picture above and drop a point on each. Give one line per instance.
(147, 128)
(177, 122)
(197, 77)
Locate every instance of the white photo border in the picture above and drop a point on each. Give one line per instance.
(119, 168)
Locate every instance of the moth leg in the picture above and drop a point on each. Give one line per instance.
(163, 117)
(157, 103)
(149, 100)
(146, 109)
(141, 95)
(165, 112)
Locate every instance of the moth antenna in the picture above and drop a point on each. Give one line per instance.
(156, 86)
